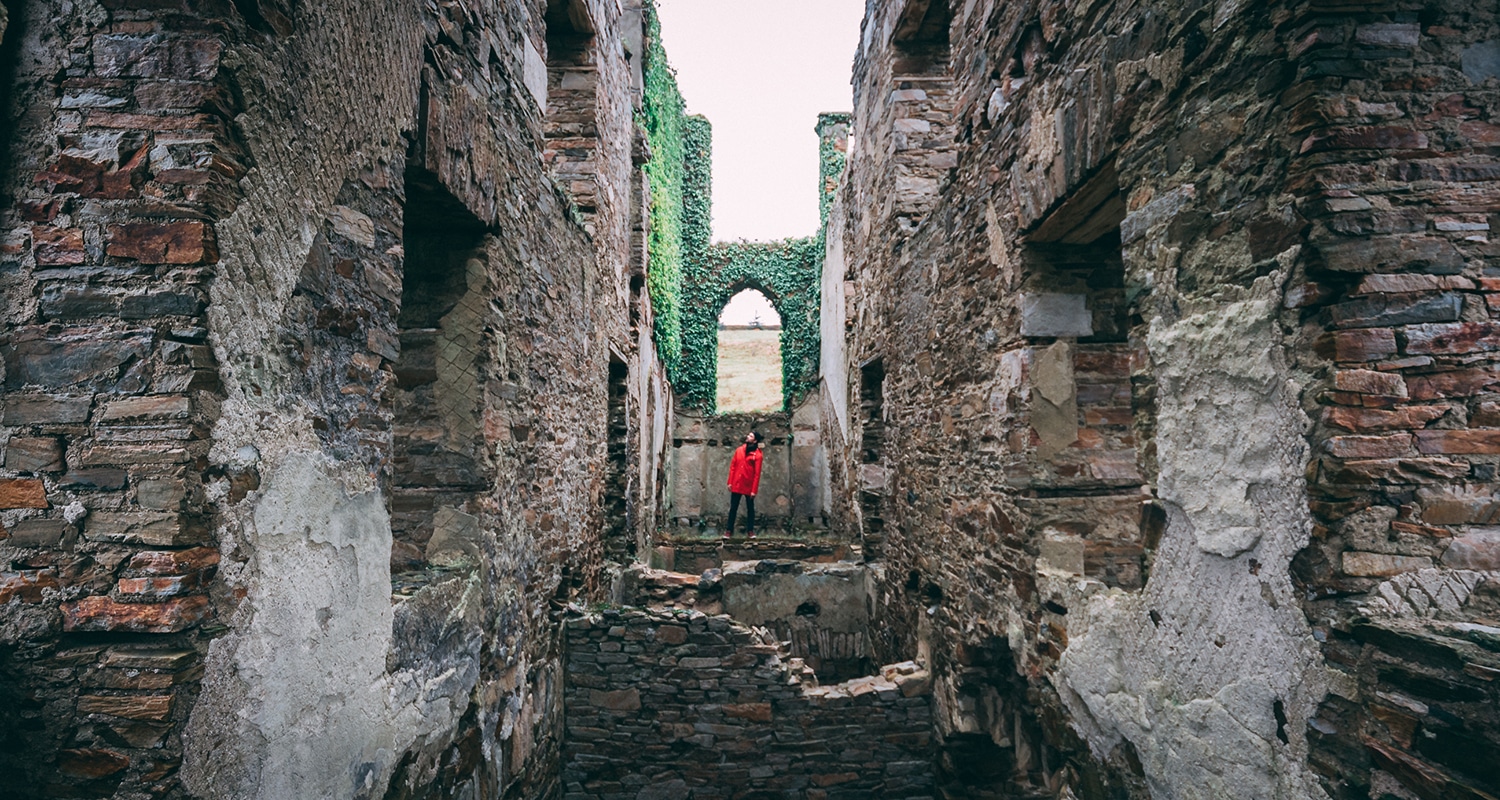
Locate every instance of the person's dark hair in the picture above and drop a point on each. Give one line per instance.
(751, 447)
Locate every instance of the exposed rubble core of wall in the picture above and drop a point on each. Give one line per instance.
(311, 316)
(1161, 389)
(681, 704)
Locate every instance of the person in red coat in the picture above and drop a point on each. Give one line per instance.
(744, 481)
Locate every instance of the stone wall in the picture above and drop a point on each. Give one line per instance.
(311, 311)
(1141, 301)
(679, 704)
(792, 492)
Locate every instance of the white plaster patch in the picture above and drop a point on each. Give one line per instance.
(1190, 670)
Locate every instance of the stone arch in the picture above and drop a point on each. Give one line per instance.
(788, 273)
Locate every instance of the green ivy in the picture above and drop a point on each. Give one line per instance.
(789, 274)
(831, 161)
(689, 279)
(664, 118)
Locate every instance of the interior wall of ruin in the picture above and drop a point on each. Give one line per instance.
(311, 313)
(1194, 434)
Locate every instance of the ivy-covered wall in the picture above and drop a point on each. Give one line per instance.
(664, 118)
(689, 279)
(788, 273)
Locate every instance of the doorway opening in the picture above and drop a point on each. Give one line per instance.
(749, 355)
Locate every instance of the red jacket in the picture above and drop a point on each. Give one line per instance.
(744, 471)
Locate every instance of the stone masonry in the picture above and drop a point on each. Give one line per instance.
(681, 704)
(1153, 446)
(311, 311)
(1185, 485)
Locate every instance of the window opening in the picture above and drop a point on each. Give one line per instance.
(872, 456)
(571, 128)
(437, 470)
(619, 541)
(749, 355)
(1079, 317)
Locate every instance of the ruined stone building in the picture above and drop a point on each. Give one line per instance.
(1141, 429)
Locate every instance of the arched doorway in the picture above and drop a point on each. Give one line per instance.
(749, 355)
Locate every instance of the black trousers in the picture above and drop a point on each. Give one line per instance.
(734, 510)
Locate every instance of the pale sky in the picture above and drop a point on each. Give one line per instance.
(746, 307)
(761, 71)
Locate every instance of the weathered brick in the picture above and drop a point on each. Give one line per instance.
(34, 454)
(184, 242)
(1361, 344)
(22, 493)
(158, 529)
(133, 455)
(27, 586)
(1365, 381)
(145, 590)
(173, 562)
(103, 614)
(149, 658)
(22, 409)
(162, 406)
(58, 247)
(1458, 383)
(1477, 550)
(91, 764)
(94, 478)
(156, 56)
(1391, 254)
(42, 357)
(1381, 565)
(1374, 137)
(149, 706)
(40, 532)
(1410, 282)
(1365, 420)
(1395, 471)
(1369, 446)
(1459, 441)
(1452, 338)
(1382, 310)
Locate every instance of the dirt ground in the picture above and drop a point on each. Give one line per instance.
(749, 370)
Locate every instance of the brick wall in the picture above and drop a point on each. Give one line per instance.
(1196, 290)
(679, 704)
(306, 353)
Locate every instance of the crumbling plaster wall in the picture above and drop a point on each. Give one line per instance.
(251, 404)
(421, 668)
(1097, 533)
